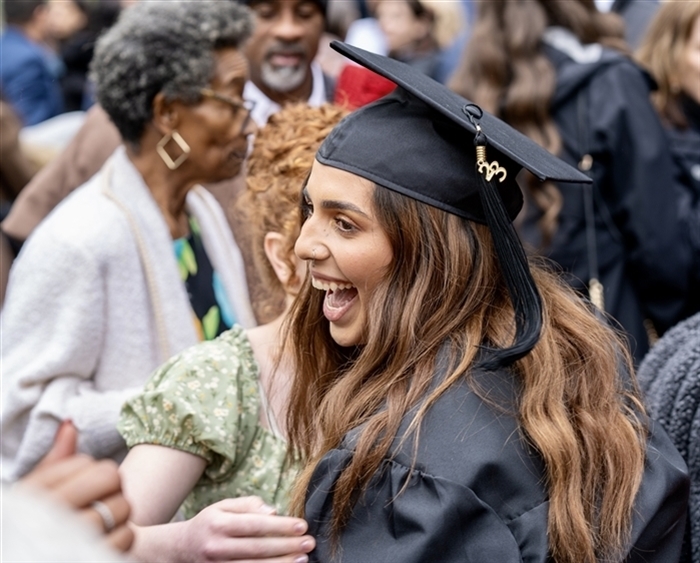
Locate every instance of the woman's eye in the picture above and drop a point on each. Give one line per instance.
(306, 208)
(343, 225)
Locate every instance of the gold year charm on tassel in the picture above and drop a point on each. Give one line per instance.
(488, 169)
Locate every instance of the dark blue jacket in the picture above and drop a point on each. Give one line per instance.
(29, 77)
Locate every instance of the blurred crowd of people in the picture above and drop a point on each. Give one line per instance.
(166, 387)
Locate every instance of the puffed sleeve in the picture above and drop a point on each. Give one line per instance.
(198, 402)
(433, 519)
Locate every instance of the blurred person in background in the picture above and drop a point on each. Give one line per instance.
(76, 25)
(139, 263)
(670, 372)
(29, 70)
(671, 52)
(637, 14)
(281, 55)
(543, 67)
(365, 32)
(16, 169)
(408, 26)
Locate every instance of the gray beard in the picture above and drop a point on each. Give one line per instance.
(282, 79)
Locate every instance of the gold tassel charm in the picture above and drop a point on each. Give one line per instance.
(595, 292)
(488, 169)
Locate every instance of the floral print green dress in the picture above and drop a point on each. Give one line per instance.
(206, 401)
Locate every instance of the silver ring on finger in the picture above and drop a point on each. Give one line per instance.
(106, 514)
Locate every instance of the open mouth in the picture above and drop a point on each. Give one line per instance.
(339, 298)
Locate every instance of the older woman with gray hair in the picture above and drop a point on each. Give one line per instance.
(139, 263)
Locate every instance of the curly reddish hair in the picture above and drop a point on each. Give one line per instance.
(281, 159)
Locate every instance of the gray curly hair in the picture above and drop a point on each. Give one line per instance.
(162, 46)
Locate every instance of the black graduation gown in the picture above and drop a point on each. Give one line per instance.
(477, 494)
(685, 149)
(645, 257)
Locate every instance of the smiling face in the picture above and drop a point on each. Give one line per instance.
(283, 45)
(216, 130)
(349, 250)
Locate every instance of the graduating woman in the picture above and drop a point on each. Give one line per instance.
(453, 402)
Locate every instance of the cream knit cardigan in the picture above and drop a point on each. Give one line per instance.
(80, 325)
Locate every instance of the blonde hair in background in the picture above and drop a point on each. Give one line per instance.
(450, 20)
(661, 53)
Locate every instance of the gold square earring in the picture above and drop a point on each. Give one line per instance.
(180, 142)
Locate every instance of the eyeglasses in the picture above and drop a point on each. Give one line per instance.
(241, 108)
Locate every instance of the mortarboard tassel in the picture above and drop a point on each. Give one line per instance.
(523, 292)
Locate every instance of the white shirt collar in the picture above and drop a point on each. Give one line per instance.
(604, 5)
(565, 41)
(265, 107)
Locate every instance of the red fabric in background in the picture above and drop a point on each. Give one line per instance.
(358, 86)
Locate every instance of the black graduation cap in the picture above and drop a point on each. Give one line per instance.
(428, 143)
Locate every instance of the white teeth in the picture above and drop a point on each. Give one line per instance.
(329, 286)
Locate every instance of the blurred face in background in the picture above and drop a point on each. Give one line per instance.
(401, 25)
(689, 76)
(283, 45)
(65, 18)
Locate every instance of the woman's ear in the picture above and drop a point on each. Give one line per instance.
(274, 246)
(165, 114)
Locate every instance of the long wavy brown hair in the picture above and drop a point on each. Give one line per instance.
(661, 52)
(505, 71)
(282, 155)
(444, 285)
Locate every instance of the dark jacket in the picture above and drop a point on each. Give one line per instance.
(645, 258)
(685, 149)
(477, 492)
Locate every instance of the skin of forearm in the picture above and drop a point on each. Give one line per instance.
(153, 544)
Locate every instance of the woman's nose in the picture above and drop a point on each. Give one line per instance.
(302, 247)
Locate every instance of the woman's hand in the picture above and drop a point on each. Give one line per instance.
(237, 529)
(81, 482)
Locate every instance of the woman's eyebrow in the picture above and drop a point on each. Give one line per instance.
(342, 205)
(337, 204)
